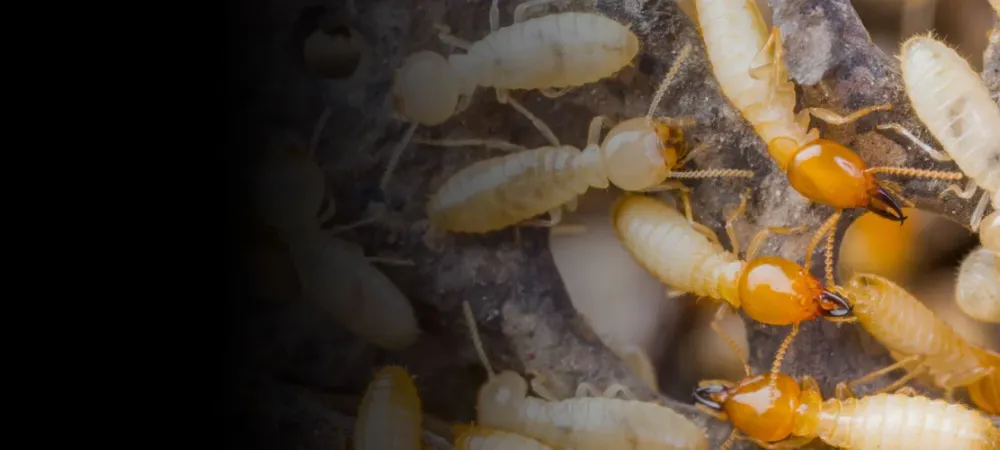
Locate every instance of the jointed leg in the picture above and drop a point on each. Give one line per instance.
(668, 185)
(827, 226)
(980, 211)
(444, 34)
(587, 390)
(554, 93)
(901, 382)
(717, 327)
(594, 131)
(965, 194)
(917, 359)
(842, 392)
(908, 391)
(690, 155)
(758, 239)
(833, 118)
(700, 228)
(397, 151)
(765, 60)
(935, 154)
(504, 97)
(555, 216)
(521, 11)
(538, 386)
(495, 144)
(615, 389)
(730, 229)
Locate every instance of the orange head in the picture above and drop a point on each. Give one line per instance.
(777, 291)
(639, 153)
(753, 406)
(829, 173)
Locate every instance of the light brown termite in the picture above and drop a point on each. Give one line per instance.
(582, 423)
(479, 438)
(922, 343)
(389, 417)
(638, 154)
(554, 51)
(748, 63)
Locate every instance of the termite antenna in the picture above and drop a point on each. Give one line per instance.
(474, 331)
(729, 440)
(828, 262)
(397, 151)
(780, 356)
(668, 79)
(823, 229)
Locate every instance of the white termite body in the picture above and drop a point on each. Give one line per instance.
(335, 274)
(955, 105)
(977, 290)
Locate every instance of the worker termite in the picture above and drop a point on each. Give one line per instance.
(922, 343)
(977, 289)
(553, 51)
(952, 101)
(389, 417)
(790, 414)
(582, 423)
(478, 438)
(769, 289)
(638, 154)
(747, 62)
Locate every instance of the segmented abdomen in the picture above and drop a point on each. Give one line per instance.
(956, 107)
(489, 439)
(664, 242)
(557, 50)
(901, 422)
(904, 325)
(606, 423)
(977, 290)
(389, 416)
(734, 32)
(497, 193)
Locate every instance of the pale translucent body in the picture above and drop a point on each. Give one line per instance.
(389, 417)
(955, 105)
(906, 327)
(584, 423)
(977, 290)
(489, 439)
(901, 422)
(734, 32)
(336, 275)
(557, 50)
(663, 241)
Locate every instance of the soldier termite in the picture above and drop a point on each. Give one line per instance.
(789, 414)
(769, 289)
(922, 343)
(977, 289)
(582, 423)
(478, 438)
(952, 101)
(748, 64)
(553, 51)
(638, 154)
(389, 417)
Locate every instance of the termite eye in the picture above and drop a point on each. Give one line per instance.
(705, 395)
(834, 305)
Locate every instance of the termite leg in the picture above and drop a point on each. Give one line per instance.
(758, 239)
(901, 382)
(842, 392)
(833, 118)
(521, 11)
(555, 217)
(717, 328)
(764, 60)
(700, 228)
(827, 226)
(587, 390)
(980, 211)
(909, 392)
(967, 378)
(470, 321)
(494, 144)
(617, 389)
(362, 222)
(879, 372)
(444, 34)
(504, 97)
(730, 229)
(668, 185)
(780, 356)
(934, 153)
(964, 194)
(594, 131)
(538, 385)
(397, 151)
(690, 155)
(554, 93)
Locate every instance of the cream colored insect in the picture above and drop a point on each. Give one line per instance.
(638, 154)
(922, 343)
(478, 438)
(581, 423)
(389, 417)
(747, 62)
(554, 51)
(977, 290)
(952, 101)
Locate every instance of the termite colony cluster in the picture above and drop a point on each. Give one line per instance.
(556, 52)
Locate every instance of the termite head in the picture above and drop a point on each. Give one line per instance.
(500, 395)
(778, 291)
(639, 152)
(425, 90)
(759, 406)
(829, 173)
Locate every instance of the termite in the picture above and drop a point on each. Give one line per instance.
(582, 423)
(748, 63)
(389, 417)
(542, 53)
(790, 414)
(977, 289)
(955, 105)
(922, 343)
(479, 438)
(771, 290)
(638, 154)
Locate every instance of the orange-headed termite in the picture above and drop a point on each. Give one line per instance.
(389, 417)
(582, 423)
(638, 154)
(747, 62)
(922, 343)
